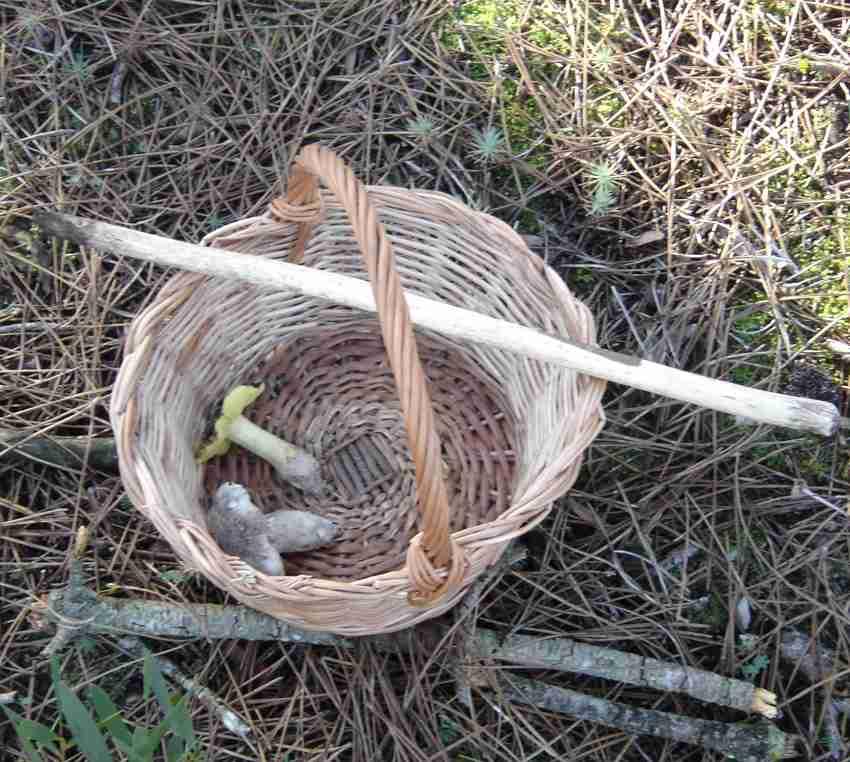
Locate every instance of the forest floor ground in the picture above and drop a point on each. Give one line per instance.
(682, 165)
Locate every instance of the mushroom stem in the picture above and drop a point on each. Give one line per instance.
(291, 463)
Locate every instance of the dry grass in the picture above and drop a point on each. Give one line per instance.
(722, 126)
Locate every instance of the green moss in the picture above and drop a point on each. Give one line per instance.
(746, 375)
(808, 457)
(751, 322)
(528, 222)
(781, 8)
(487, 22)
(824, 260)
(523, 121)
(768, 455)
(815, 459)
(546, 30)
(603, 103)
(814, 467)
(480, 28)
(823, 252)
(7, 184)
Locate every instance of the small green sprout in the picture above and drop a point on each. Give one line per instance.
(488, 144)
(423, 127)
(78, 65)
(755, 666)
(604, 183)
(603, 57)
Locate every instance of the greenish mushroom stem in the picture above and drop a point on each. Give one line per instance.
(291, 463)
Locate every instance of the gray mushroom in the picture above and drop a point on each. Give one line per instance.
(297, 531)
(241, 529)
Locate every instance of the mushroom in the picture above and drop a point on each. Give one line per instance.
(297, 531)
(241, 529)
(291, 463)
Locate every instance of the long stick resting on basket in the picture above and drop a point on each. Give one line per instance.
(755, 404)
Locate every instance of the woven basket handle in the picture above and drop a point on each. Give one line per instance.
(302, 205)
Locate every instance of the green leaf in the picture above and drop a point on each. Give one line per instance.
(146, 742)
(35, 731)
(179, 721)
(54, 670)
(154, 681)
(110, 717)
(29, 730)
(31, 751)
(182, 721)
(84, 730)
(175, 749)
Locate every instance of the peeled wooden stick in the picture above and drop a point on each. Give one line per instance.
(765, 407)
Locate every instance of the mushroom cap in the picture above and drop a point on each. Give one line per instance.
(232, 407)
(297, 531)
(240, 529)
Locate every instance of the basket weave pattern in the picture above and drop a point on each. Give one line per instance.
(422, 511)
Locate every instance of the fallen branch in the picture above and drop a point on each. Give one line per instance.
(566, 655)
(767, 407)
(743, 741)
(65, 452)
(76, 609)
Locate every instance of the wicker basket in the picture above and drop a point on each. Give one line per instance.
(435, 454)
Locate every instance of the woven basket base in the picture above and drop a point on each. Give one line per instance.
(332, 392)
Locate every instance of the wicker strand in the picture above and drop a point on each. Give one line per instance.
(435, 550)
(302, 205)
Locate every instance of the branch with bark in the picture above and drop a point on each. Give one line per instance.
(76, 609)
(743, 741)
(64, 452)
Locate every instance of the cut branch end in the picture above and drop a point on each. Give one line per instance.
(764, 703)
